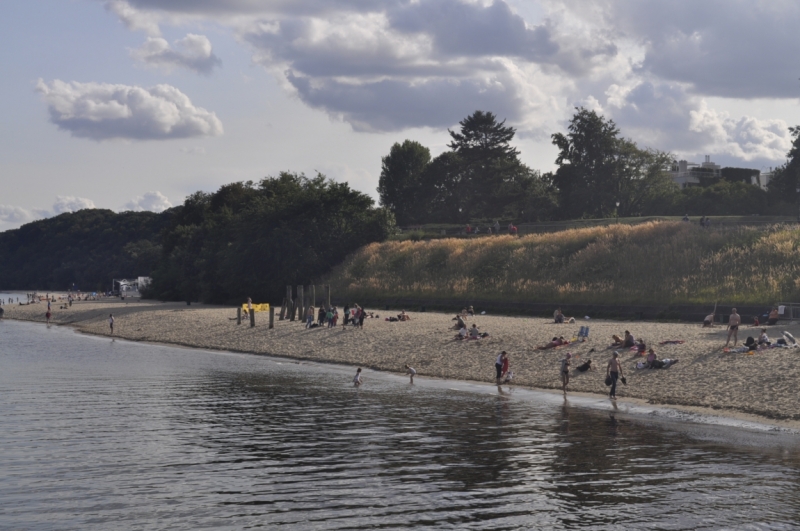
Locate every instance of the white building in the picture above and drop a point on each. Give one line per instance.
(762, 179)
(688, 173)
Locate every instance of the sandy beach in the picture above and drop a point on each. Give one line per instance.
(758, 386)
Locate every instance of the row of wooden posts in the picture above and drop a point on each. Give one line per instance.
(293, 307)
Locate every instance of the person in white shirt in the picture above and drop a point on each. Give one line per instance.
(411, 373)
(357, 379)
(498, 365)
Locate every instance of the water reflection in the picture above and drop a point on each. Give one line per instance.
(96, 434)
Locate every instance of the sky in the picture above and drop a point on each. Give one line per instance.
(135, 104)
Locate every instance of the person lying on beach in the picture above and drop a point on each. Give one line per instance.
(556, 342)
(403, 316)
(411, 373)
(708, 321)
(773, 317)
(654, 363)
(585, 366)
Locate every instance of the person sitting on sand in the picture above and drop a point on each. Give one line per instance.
(585, 366)
(773, 317)
(462, 333)
(474, 333)
(403, 316)
(708, 321)
(558, 316)
(763, 339)
(617, 341)
(459, 322)
(641, 348)
(556, 342)
(471, 311)
(629, 341)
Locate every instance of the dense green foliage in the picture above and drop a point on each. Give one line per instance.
(600, 174)
(251, 240)
(87, 248)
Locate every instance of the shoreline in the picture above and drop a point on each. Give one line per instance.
(384, 346)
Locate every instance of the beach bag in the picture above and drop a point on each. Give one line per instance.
(609, 381)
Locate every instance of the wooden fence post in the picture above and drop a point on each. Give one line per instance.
(252, 318)
(239, 315)
(271, 317)
(292, 303)
(313, 294)
(301, 300)
(327, 296)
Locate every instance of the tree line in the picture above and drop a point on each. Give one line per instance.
(599, 174)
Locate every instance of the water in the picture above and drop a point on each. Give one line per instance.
(96, 434)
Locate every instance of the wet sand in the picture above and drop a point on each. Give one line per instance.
(706, 380)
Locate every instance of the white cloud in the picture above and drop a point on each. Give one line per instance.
(102, 111)
(150, 201)
(192, 52)
(14, 216)
(68, 203)
(134, 19)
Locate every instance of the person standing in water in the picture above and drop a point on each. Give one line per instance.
(565, 363)
(411, 373)
(733, 327)
(111, 323)
(357, 379)
(614, 371)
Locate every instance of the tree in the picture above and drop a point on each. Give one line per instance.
(598, 169)
(786, 178)
(399, 186)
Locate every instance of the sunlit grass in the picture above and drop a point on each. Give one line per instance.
(656, 262)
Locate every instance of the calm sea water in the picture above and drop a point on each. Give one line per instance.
(96, 434)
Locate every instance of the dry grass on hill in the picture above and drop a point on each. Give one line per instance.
(657, 262)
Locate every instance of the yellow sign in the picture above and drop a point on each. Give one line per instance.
(257, 307)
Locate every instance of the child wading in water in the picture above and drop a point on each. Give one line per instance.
(357, 380)
(565, 363)
(411, 373)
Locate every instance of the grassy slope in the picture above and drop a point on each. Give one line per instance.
(649, 263)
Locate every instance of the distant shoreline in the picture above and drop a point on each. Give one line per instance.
(757, 389)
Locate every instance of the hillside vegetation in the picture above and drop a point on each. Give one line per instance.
(650, 263)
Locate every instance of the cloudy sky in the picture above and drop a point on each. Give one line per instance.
(134, 104)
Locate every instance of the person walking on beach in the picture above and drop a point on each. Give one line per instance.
(565, 363)
(733, 327)
(357, 380)
(411, 373)
(48, 315)
(498, 365)
(309, 316)
(111, 323)
(614, 371)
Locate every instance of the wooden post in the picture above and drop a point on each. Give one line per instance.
(301, 300)
(239, 315)
(283, 310)
(252, 318)
(313, 293)
(292, 304)
(271, 317)
(327, 296)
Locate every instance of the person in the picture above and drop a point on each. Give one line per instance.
(565, 363)
(686, 218)
(733, 327)
(411, 373)
(111, 323)
(708, 321)
(329, 317)
(496, 227)
(48, 315)
(357, 381)
(555, 342)
(586, 366)
(614, 371)
(309, 316)
(558, 316)
(504, 370)
(763, 339)
(346, 312)
(641, 348)
(773, 317)
(335, 318)
(471, 311)
(249, 305)
(361, 316)
(498, 364)
(403, 316)
(462, 333)
(629, 341)
(459, 322)
(651, 357)
(474, 333)
(617, 341)
(321, 316)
